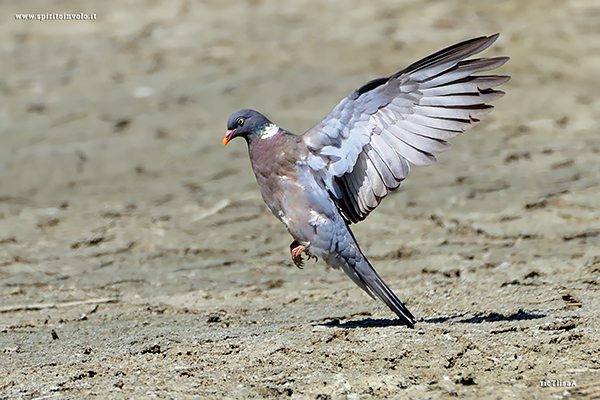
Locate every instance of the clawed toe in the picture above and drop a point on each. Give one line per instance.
(297, 249)
(298, 261)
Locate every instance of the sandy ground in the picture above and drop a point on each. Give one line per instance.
(136, 256)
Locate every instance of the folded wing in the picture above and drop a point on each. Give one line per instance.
(362, 149)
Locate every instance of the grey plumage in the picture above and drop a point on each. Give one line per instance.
(339, 171)
(411, 113)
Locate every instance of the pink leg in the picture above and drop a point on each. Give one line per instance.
(297, 249)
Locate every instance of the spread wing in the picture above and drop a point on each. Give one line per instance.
(362, 149)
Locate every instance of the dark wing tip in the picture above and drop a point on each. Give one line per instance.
(480, 43)
(460, 50)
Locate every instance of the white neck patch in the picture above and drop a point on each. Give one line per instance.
(269, 131)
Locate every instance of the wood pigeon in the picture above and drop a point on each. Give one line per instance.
(337, 172)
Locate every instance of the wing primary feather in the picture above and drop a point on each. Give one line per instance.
(434, 133)
(449, 55)
(453, 124)
(462, 99)
(467, 85)
(463, 70)
(455, 112)
(415, 156)
(420, 142)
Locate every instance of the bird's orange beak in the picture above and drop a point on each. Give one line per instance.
(228, 136)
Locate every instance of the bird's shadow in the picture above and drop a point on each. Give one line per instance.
(520, 315)
(365, 323)
(477, 319)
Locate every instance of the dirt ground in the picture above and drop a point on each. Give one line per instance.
(138, 260)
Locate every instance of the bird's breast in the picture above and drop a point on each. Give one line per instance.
(290, 189)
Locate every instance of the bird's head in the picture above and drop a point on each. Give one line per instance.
(247, 124)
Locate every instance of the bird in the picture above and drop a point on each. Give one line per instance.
(335, 174)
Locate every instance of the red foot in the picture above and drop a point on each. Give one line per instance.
(297, 249)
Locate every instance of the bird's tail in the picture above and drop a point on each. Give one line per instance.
(358, 268)
(365, 276)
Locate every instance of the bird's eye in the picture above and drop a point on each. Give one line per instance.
(240, 122)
